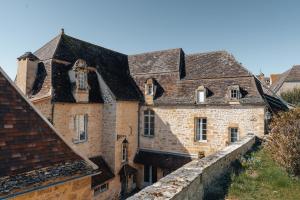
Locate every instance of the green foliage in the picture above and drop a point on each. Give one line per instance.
(263, 179)
(292, 96)
(283, 142)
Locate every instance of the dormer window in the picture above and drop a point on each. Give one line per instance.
(81, 71)
(234, 92)
(200, 94)
(149, 87)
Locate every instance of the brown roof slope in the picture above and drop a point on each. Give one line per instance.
(218, 64)
(155, 62)
(112, 66)
(27, 141)
(291, 75)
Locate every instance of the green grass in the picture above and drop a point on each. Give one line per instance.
(263, 179)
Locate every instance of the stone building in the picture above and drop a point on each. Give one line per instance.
(286, 81)
(36, 162)
(142, 116)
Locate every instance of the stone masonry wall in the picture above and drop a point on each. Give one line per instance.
(193, 179)
(63, 121)
(45, 107)
(175, 127)
(74, 190)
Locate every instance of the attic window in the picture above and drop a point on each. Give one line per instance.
(149, 87)
(82, 80)
(234, 92)
(200, 94)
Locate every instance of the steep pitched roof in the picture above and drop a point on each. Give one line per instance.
(165, 61)
(218, 64)
(112, 66)
(291, 75)
(29, 143)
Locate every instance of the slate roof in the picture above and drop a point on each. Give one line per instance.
(111, 65)
(175, 74)
(28, 55)
(29, 144)
(105, 172)
(160, 159)
(291, 75)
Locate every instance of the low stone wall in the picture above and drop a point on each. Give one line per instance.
(193, 179)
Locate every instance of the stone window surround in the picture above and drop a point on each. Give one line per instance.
(234, 92)
(230, 133)
(77, 139)
(101, 188)
(151, 115)
(195, 130)
(198, 90)
(150, 87)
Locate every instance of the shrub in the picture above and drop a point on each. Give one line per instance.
(292, 96)
(284, 140)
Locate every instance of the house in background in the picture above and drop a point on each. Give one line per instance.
(36, 161)
(142, 116)
(286, 81)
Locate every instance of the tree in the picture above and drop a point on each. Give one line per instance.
(292, 96)
(284, 140)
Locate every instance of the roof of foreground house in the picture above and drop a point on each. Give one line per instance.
(291, 75)
(32, 153)
(176, 75)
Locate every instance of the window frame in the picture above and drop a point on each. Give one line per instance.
(149, 123)
(100, 189)
(149, 89)
(82, 80)
(200, 126)
(124, 152)
(78, 127)
(231, 132)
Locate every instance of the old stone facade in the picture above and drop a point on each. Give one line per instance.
(175, 127)
(140, 117)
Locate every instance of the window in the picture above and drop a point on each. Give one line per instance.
(125, 151)
(81, 127)
(235, 94)
(201, 129)
(150, 174)
(101, 188)
(81, 80)
(200, 96)
(149, 89)
(149, 122)
(234, 135)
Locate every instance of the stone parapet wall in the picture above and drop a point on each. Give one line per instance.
(193, 179)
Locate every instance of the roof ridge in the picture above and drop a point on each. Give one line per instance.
(96, 45)
(157, 51)
(209, 52)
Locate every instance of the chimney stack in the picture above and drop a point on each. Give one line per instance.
(27, 70)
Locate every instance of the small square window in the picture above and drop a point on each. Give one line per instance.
(235, 94)
(101, 188)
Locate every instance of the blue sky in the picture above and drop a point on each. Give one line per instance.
(260, 34)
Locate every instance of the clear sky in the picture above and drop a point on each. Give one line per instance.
(261, 34)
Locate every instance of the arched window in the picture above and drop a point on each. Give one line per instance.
(149, 122)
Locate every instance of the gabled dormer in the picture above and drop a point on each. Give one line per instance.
(150, 90)
(234, 93)
(81, 89)
(200, 94)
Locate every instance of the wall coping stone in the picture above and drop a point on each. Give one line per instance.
(179, 181)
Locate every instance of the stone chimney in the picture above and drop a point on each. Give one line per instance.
(27, 70)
